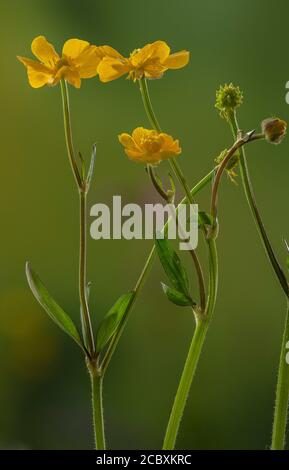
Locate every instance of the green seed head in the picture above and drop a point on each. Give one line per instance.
(228, 98)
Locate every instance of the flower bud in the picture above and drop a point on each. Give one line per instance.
(274, 129)
(228, 98)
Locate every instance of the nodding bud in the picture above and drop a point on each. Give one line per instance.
(228, 98)
(274, 129)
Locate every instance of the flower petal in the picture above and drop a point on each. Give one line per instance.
(139, 58)
(160, 50)
(167, 140)
(153, 71)
(153, 158)
(74, 47)
(38, 74)
(87, 62)
(44, 51)
(157, 50)
(103, 51)
(127, 141)
(111, 68)
(138, 135)
(177, 60)
(135, 155)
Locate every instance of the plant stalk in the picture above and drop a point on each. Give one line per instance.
(282, 390)
(68, 132)
(282, 393)
(82, 273)
(88, 339)
(202, 325)
(204, 318)
(249, 192)
(97, 411)
(182, 180)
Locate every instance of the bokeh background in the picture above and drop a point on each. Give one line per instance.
(44, 389)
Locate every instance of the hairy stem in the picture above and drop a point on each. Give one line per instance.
(97, 411)
(182, 180)
(194, 353)
(249, 192)
(82, 274)
(282, 390)
(88, 339)
(204, 318)
(68, 132)
(282, 393)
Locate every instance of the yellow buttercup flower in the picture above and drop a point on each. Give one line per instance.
(79, 60)
(149, 146)
(150, 62)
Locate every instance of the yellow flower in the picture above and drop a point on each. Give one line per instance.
(151, 62)
(149, 146)
(79, 60)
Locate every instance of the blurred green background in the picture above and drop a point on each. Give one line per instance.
(44, 389)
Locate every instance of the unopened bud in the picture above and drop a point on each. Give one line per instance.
(274, 129)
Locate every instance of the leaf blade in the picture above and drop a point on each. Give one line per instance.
(55, 312)
(172, 266)
(176, 297)
(112, 320)
(91, 166)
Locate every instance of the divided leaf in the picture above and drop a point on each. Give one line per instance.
(112, 320)
(51, 307)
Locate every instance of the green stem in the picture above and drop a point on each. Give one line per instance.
(155, 124)
(248, 189)
(82, 275)
(194, 353)
(204, 319)
(148, 104)
(282, 390)
(96, 380)
(68, 132)
(282, 393)
(182, 180)
(88, 340)
(141, 280)
(185, 384)
(97, 408)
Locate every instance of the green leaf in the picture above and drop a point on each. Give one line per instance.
(205, 219)
(172, 266)
(91, 166)
(112, 320)
(88, 287)
(287, 248)
(82, 162)
(176, 297)
(51, 307)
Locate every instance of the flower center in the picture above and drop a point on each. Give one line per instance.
(61, 63)
(151, 143)
(134, 52)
